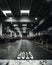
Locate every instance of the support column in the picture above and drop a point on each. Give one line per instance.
(0, 29)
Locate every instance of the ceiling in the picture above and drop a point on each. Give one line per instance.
(42, 9)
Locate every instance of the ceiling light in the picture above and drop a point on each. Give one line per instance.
(41, 22)
(24, 11)
(15, 25)
(24, 24)
(5, 12)
(50, 28)
(36, 18)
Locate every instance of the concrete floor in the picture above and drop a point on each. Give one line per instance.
(23, 49)
(25, 62)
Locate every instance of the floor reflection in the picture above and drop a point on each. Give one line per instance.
(25, 48)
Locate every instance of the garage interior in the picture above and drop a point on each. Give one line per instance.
(26, 26)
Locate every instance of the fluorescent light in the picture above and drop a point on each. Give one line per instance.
(15, 25)
(41, 22)
(5, 12)
(24, 24)
(34, 28)
(50, 28)
(36, 18)
(25, 11)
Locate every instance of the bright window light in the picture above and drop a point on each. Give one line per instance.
(24, 11)
(5, 12)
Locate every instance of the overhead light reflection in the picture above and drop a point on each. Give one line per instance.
(25, 19)
(10, 19)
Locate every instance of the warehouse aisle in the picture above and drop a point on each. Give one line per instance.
(23, 49)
